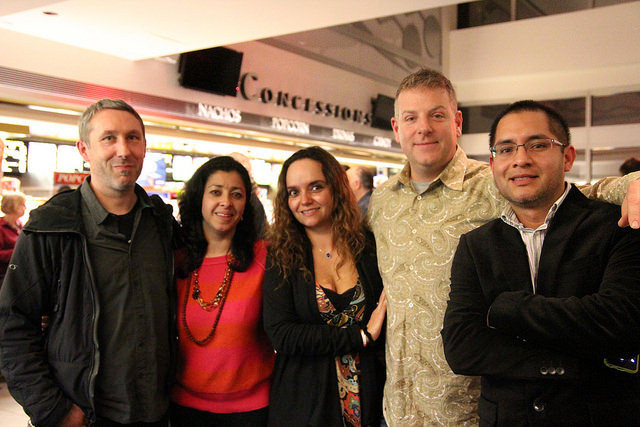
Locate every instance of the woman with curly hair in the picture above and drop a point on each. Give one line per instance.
(226, 360)
(324, 306)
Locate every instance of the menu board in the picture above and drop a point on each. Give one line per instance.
(14, 162)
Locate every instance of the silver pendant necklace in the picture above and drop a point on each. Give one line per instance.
(325, 253)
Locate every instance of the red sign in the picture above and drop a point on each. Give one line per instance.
(69, 178)
(9, 183)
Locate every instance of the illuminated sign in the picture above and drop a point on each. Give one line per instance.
(15, 157)
(343, 135)
(284, 99)
(293, 126)
(224, 114)
(380, 141)
(69, 178)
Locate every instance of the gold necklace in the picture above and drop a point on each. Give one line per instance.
(218, 300)
(210, 305)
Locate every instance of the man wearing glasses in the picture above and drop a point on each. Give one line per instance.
(417, 217)
(545, 300)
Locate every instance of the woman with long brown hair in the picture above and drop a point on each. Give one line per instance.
(324, 305)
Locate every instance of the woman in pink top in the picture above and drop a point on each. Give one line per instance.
(226, 360)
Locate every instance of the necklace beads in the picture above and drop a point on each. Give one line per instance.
(218, 300)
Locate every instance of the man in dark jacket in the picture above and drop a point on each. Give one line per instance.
(86, 310)
(545, 300)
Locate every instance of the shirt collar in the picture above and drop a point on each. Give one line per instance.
(98, 213)
(452, 176)
(510, 217)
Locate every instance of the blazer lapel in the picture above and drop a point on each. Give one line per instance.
(513, 253)
(570, 214)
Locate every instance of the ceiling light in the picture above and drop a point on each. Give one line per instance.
(53, 110)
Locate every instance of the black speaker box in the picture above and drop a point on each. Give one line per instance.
(215, 70)
(382, 112)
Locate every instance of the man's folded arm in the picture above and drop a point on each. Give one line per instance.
(472, 348)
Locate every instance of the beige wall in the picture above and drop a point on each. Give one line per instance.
(592, 51)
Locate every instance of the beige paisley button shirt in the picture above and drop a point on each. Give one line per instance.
(416, 236)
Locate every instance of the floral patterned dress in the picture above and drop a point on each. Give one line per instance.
(342, 310)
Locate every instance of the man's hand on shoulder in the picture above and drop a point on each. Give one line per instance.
(75, 418)
(631, 206)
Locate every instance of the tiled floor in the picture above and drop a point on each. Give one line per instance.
(11, 414)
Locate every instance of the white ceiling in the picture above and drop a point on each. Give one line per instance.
(140, 29)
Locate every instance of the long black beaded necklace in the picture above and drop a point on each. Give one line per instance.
(217, 301)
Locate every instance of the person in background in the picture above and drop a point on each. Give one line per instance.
(225, 358)
(13, 206)
(361, 183)
(417, 217)
(630, 165)
(262, 224)
(545, 300)
(324, 305)
(97, 263)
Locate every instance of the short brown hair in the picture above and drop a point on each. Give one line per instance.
(428, 78)
(84, 125)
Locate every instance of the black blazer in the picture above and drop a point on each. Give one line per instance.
(543, 362)
(304, 389)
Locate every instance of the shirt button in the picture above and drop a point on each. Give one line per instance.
(419, 197)
(544, 370)
(414, 231)
(560, 370)
(552, 370)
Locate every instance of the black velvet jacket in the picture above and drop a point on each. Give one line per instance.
(543, 364)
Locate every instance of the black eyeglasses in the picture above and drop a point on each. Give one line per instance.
(507, 150)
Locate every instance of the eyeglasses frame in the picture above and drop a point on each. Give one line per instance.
(492, 149)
